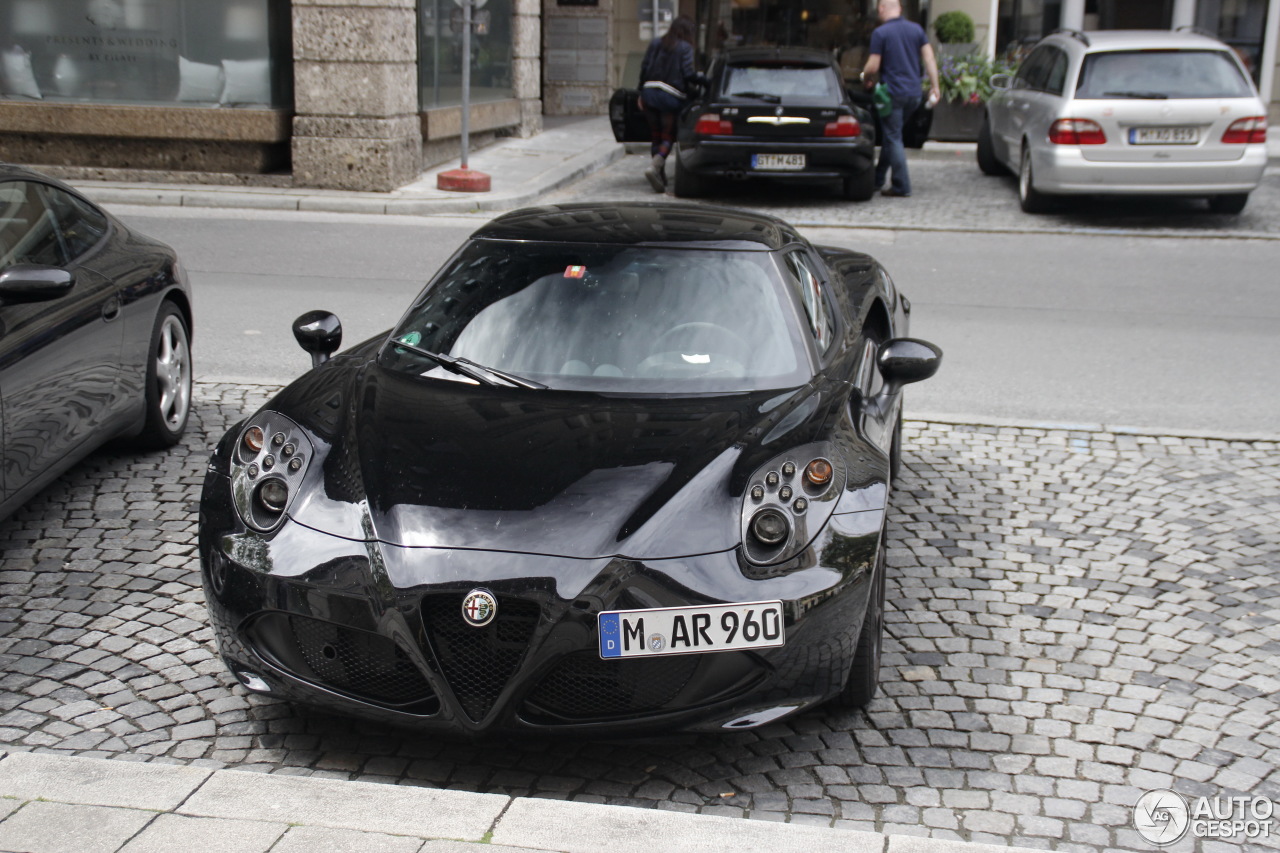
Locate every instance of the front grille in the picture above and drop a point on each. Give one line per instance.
(359, 663)
(584, 687)
(478, 662)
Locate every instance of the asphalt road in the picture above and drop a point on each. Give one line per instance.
(1145, 314)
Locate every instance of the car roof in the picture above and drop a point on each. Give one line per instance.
(1102, 40)
(806, 55)
(643, 223)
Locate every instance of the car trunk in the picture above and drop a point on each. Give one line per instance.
(1143, 130)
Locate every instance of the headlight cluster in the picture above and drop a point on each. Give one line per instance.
(787, 502)
(267, 467)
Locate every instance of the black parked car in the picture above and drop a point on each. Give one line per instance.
(775, 114)
(95, 334)
(619, 467)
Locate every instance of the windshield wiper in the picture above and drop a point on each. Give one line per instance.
(471, 370)
(759, 96)
(1150, 96)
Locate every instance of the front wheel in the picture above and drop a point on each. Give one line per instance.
(168, 395)
(1032, 200)
(864, 674)
(1233, 203)
(987, 160)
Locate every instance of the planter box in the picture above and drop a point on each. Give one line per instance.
(954, 121)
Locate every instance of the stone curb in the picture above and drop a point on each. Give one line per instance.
(134, 805)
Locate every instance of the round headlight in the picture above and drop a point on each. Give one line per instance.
(273, 495)
(254, 439)
(818, 472)
(769, 526)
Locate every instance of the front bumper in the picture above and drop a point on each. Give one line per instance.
(824, 159)
(1064, 170)
(372, 630)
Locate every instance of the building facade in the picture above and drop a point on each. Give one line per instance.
(365, 94)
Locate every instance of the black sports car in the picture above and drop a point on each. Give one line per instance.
(779, 113)
(95, 330)
(619, 467)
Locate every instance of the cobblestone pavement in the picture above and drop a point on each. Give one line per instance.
(1075, 618)
(951, 194)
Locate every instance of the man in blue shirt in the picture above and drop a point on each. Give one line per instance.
(898, 49)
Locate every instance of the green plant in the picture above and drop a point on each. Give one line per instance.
(954, 27)
(967, 79)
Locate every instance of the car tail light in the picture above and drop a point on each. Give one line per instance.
(1076, 131)
(843, 126)
(710, 124)
(1246, 130)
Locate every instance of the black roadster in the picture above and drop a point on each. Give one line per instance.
(619, 467)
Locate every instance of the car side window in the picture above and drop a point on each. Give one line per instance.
(1056, 80)
(82, 225)
(1033, 72)
(28, 232)
(808, 287)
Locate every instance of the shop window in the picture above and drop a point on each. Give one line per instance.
(198, 53)
(440, 52)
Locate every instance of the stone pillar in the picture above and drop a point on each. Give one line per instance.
(1184, 13)
(1073, 14)
(578, 55)
(526, 61)
(356, 123)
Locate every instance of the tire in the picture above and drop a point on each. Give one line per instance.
(860, 187)
(1233, 203)
(1032, 200)
(987, 160)
(168, 394)
(686, 184)
(864, 673)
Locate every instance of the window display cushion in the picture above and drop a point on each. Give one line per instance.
(18, 77)
(199, 81)
(248, 81)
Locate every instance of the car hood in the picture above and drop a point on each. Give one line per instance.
(433, 463)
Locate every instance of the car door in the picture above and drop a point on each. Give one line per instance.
(1012, 126)
(58, 358)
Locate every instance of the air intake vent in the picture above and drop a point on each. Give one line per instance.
(362, 664)
(583, 687)
(478, 662)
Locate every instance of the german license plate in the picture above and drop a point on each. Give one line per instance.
(684, 630)
(1163, 135)
(780, 162)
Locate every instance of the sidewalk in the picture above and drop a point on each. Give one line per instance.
(62, 804)
(522, 171)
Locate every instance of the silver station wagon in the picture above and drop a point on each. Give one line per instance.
(1127, 112)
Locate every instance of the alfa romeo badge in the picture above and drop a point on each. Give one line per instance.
(479, 608)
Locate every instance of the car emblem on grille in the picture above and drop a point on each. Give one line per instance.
(479, 608)
(778, 111)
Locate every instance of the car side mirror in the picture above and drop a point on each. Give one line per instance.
(31, 283)
(906, 360)
(319, 333)
(1001, 81)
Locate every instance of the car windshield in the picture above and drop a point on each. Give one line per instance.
(790, 83)
(1161, 74)
(609, 318)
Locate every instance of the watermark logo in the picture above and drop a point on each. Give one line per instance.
(1163, 817)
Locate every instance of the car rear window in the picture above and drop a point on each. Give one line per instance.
(791, 83)
(1161, 74)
